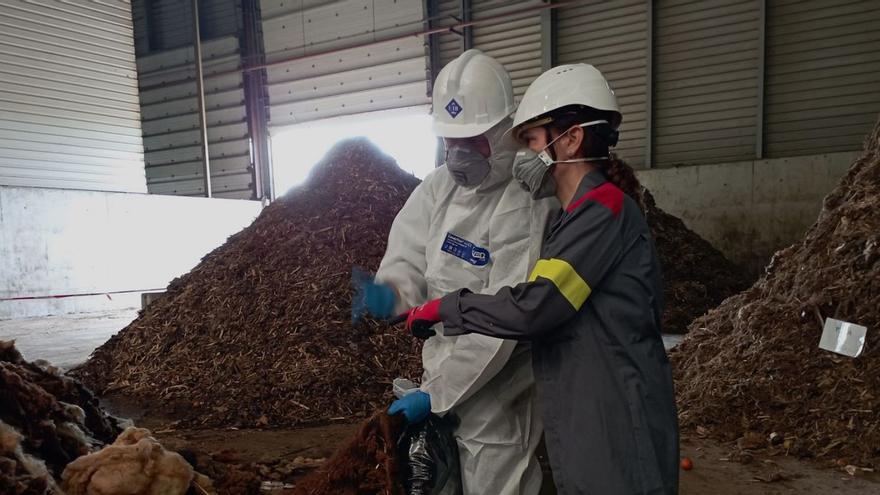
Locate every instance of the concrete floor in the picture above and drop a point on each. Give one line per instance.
(65, 340)
(68, 340)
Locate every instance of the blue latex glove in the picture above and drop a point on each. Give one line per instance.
(380, 299)
(416, 406)
(370, 297)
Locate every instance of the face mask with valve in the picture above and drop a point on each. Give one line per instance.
(532, 169)
(467, 165)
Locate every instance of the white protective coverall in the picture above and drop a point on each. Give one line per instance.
(486, 382)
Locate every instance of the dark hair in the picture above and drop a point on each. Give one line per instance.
(598, 140)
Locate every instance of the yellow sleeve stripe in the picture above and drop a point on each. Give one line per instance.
(565, 278)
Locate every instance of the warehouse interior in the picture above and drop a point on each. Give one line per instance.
(187, 185)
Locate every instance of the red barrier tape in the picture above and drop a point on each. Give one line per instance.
(62, 296)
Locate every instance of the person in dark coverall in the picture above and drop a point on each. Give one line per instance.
(592, 305)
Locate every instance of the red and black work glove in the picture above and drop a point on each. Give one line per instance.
(420, 319)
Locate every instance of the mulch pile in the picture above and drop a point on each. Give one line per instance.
(260, 332)
(368, 464)
(751, 370)
(46, 421)
(696, 276)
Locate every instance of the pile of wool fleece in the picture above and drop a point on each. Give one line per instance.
(135, 464)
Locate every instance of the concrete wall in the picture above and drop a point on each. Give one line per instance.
(749, 209)
(55, 241)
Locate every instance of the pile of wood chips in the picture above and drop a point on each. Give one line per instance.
(751, 370)
(260, 332)
(696, 276)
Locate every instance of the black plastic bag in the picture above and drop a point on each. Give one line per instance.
(429, 455)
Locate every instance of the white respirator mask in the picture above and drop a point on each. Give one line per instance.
(532, 169)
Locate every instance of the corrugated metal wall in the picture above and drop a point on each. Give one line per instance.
(219, 18)
(706, 63)
(141, 21)
(172, 139)
(171, 24)
(162, 25)
(451, 44)
(325, 79)
(613, 36)
(822, 76)
(514, 41)
(69, 115)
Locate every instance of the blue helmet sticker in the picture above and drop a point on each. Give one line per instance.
(453, 108)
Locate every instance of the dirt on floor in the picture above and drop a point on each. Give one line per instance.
(715, 469)
(248, 457)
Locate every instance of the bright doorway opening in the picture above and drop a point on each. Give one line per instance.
(405, 135)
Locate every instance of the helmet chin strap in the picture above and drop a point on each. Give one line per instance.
(551, 151)
(588, 159)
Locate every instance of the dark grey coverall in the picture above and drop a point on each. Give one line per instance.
(592, 310)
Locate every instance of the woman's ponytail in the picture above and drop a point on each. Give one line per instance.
(619, 173)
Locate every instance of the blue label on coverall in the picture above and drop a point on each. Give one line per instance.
(464, 249)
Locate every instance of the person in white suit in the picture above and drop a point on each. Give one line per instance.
(469, 224)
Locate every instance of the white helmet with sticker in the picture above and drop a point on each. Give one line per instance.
(471, 94)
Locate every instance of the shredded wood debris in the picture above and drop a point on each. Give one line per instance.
(259, 333)
(696, 276)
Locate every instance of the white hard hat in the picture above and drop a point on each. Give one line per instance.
(575, 84)
(471, 94)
